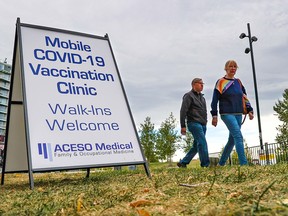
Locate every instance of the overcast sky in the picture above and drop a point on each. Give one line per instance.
(161, 45)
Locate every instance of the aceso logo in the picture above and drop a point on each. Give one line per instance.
(45, 150)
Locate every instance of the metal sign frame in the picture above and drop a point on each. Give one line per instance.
(22, 153)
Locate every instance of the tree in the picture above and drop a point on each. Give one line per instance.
(148, 139)
(187, 143)
(281, 108)
(166, 139)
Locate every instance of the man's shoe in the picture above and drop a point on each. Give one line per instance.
(180, 165)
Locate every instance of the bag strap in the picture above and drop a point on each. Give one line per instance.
(243, 93)
(243, 119)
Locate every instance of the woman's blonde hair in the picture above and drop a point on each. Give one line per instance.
(230, 62)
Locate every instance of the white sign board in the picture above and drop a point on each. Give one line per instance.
(77, 111)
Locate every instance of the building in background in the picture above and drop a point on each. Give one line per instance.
(5, 78)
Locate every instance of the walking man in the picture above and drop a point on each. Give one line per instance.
(194, 113)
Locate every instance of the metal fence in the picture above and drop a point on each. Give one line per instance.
(272, 153)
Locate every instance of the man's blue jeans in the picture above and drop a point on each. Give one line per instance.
(233, 123)
(199, 145)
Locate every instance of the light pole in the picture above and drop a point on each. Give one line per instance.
(247, 50)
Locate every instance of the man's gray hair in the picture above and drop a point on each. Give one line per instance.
(195, 80)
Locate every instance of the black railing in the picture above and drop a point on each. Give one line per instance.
(272, 153)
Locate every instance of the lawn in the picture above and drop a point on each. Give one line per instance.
(249, 190)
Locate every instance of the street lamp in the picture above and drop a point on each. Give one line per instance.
(247, 50)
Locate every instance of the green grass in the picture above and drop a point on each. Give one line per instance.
(249, 190)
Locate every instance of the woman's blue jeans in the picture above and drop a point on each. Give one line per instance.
(199, 145)
(233, 123)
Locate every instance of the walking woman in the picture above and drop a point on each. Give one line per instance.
(229, 92)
